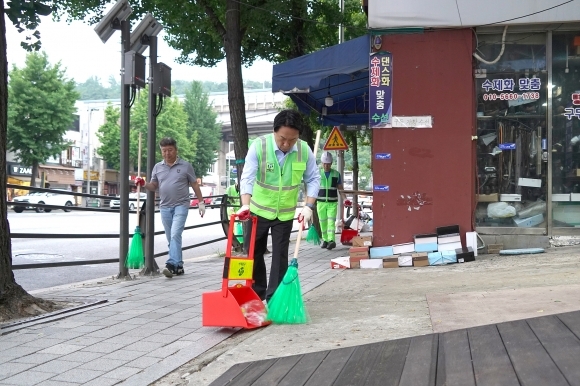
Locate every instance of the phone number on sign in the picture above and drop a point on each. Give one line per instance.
(510, 96)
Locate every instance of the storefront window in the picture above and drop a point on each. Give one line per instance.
(566, 130)
(511, 128)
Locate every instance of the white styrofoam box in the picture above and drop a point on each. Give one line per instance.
(510, 197)
(471, 241)
(425, 239)
(529, 221)
(530, 182)
(405, 261)
(448, 239)
(403, 248)
(371, 263)
(574, 196)
(449, 246)
(561, 197)
(340, 262)
(431, 247)
(435, 258)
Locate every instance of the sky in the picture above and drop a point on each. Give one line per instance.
(83, 54)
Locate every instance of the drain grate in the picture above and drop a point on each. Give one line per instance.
(19, 324)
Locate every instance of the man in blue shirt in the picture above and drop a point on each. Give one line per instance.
(275, 166)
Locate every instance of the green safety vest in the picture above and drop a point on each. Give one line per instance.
(276, 189)
(328, 186)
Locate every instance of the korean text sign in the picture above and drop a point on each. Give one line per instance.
(381, 90)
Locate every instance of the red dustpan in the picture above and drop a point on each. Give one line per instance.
(225, 308)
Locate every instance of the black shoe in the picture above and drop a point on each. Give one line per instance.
(324, 245)
(169, 270)
(331, 245)
(179, 271)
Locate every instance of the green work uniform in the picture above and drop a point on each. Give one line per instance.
(327, 203)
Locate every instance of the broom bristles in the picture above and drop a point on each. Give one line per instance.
(287, 304)
(312, 237)
(136, 256)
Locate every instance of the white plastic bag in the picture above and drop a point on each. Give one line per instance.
(339, 225)
(500, 210)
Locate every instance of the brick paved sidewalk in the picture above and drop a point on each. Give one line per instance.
(148, 328)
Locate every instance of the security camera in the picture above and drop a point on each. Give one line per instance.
(112, 20)
(140, 37)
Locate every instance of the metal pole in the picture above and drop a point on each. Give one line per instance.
(88, 157)
(341, 26)
(549, 127)
(151, 267)
(124, 156)
(340, 155)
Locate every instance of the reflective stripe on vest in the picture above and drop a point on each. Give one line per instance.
(328, 186)
(276, 188)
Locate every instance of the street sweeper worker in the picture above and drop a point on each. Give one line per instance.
(173, 177)
(327, 201)
(274, 169)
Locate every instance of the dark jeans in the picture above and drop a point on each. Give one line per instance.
(280, 241)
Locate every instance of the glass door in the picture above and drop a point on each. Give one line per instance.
(512, 134)
(565, 149)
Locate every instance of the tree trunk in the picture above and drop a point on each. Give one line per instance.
(237, 103)
(14, 300)
(33, 176)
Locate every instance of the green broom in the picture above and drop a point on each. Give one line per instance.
(136, 257)
(312, 236)
(287, 304)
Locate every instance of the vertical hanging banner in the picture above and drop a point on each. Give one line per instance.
(381, 90)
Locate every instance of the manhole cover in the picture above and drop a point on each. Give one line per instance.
(40, 256)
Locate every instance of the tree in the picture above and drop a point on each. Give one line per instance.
(14, 300)
(41, 103)
(171, 122)
(201, 120)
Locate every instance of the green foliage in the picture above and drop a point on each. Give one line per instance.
(172, 122)
(92, 88)
(40, 110)
(24, 14)
(201, 123)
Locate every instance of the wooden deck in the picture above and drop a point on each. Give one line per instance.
(542, 351)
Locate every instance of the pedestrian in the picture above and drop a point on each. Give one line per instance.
(327, 201)
(173, 176)
(275, 167)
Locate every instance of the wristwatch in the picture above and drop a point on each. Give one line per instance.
(311, 206)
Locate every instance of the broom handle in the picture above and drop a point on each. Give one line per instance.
(299, 237)
(138, 175)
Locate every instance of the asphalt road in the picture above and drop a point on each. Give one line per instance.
(25, 251)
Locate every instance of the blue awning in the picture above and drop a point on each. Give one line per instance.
(340, 71)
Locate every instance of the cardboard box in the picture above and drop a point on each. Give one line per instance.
(561, 197)
(529, 221)
(530, 182)
(355, 264)
(403, 248)
(391, 262)
(420, 261)
(340, 263)
(465, 255)
(435, 258)
(358, 253)
(510, 197)
(405, 261)
(371, 263)
(419, 255)
(494, 197)
(381, 252)
(362, 241)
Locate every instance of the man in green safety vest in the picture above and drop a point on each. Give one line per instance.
(275, 167)
(327, 201)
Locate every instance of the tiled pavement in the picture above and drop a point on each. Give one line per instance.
(149, 327)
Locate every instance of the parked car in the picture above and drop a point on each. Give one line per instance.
(116, 202)
(20, 203)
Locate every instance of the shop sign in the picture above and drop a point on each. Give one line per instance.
(381, 90)
(17, 170)
(381, 188)
(419, 122)
(383, 156)
(508, 90)
(571, 112)
(507, 146)
(94, 175)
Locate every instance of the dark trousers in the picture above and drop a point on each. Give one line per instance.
(280, 241)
